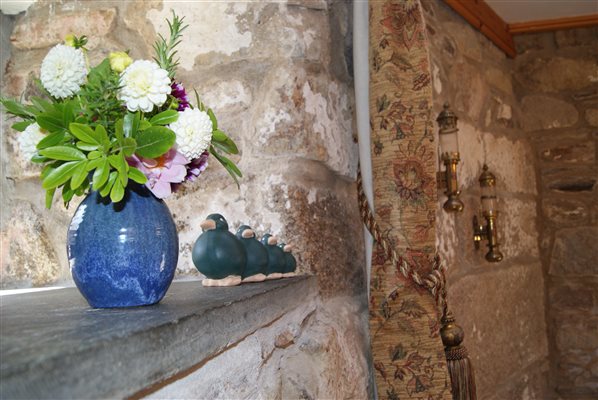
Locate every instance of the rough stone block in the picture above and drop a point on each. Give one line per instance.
(592, 116)
(568, 152)
(518, 234)
(576, 37)
(557, 74)
(544, 112)
(510, 161)
(31, 259)
(576, 331)
(532, 384)
(573, 295)
(305, 114)
(534, 41)
(577, 375)
(470, 98)
(466, 39)
(571, 180)
(561, 211)
(502, 313)
(39, 30)
(575, 252)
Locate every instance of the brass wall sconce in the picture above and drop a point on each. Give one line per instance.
(449, 148)
(490, 213)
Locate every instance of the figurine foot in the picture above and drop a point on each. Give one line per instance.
(289, 274)
(231, 280)
(275, 275)
(255, 278)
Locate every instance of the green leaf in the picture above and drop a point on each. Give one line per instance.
(21, 126)
(86, 146)
(39, 159)
(93, 164)
(230, 166)
(63, 153)
(154, 141)
(137, 176)
(41, 104)
(129, 146)
(219, 136)
(52, 122)
(102, 136)
(79, 176)
(144, 124)
(84, 133)
(17, 109)
(118, 131)
(106, 189)
(118, 191)
(67, 194)
(92, 155)
(165, 117)
(50, 140)
(224, 143)
(213, 118)
(131, 124)
(50, 197)
(100, 176)
(119, 163)
(60, 175)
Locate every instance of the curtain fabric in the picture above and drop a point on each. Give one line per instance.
(409, 360)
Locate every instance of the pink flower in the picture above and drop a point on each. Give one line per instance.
(162, 172)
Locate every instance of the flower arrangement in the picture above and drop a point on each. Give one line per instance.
(123, 120)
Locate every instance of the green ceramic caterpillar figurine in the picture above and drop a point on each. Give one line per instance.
(290, 261)
(276, 260)
(218, 254)
(257, 256)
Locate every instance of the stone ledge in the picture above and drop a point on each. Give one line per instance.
(55, 346)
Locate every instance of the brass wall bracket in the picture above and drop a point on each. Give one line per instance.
(488, 233)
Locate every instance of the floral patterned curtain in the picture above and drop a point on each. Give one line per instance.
(409, 358)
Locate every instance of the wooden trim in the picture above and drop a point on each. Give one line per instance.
(553, 24)
(482, 17)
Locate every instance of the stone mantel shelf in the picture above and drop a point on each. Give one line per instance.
(53, 345)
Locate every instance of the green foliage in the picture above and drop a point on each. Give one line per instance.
(165, 49)
(89, 136)
(98, 101)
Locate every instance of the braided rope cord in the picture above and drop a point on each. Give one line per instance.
(435, 282)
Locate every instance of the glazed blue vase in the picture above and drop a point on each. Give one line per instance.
(123, 254)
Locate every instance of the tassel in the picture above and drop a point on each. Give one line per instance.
(459, 366)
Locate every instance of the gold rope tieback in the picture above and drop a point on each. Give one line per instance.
(459, 366)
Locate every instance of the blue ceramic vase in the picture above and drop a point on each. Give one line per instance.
(123, 254)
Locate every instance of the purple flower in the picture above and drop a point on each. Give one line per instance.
(162, 172)
(178, 92)
(197, 166)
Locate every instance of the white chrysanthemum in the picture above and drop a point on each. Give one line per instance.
(144, 84)
(193, 131)
(63, 71)
(28, 139)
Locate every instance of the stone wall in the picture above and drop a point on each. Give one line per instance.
(278, 76)
(499, 305)
(556, 78)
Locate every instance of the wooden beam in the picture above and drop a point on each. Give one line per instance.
(553, 24)
(482, 17)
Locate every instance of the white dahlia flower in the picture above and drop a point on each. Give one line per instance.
(63, 71)
(144, 84)
(28, 139)
(193, 131)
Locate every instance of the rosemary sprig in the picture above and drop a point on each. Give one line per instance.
(165, 50)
